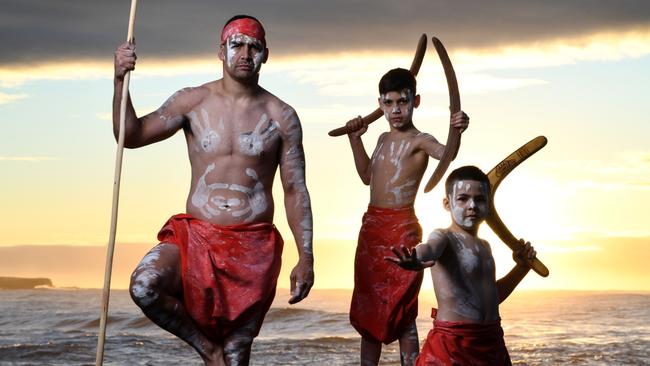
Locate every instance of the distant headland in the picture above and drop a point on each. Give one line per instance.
(18, 283)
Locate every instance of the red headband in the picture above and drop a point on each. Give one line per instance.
(246, 26)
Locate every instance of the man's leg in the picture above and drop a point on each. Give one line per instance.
(156, 287)
(409, 345)
(237, 345)
(370, 351)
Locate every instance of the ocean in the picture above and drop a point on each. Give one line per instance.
(59, 327)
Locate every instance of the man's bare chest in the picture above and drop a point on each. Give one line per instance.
(216, 132)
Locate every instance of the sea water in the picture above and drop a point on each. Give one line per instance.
(60, 326)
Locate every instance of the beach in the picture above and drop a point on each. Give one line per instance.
(59, 327)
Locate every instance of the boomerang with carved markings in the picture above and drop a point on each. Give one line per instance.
(415, 68)
(497, 175)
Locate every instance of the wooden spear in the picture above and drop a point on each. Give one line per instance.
(99, 359)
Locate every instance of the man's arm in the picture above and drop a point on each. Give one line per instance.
(507, 283)
(423, 255)
(435, 149)
(297, 204)
(153, 127)
(361, 159)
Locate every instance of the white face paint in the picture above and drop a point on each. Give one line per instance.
(207, 139)
(235, 45)
(468, 203)
(398, 107)
(252, 143)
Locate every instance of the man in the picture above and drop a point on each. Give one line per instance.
(212, 278)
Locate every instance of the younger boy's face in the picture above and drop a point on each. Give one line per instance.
(398, 107)
(468, 203)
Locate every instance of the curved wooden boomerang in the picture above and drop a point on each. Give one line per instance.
(453, 136)
(495, 176)
(415, 68)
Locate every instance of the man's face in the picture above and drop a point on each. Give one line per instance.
(468, 203)
(398, 107)
(243, 56)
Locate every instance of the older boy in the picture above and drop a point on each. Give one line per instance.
(384, 301)
(467, 329)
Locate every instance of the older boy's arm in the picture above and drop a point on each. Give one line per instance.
(361, 159)
(151, 128)
(507, 283)
(435, 149)
(297, 205)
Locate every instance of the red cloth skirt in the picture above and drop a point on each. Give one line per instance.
(229, 273)
(385, 297)
(461, 343)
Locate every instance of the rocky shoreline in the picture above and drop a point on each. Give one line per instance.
(19, 283)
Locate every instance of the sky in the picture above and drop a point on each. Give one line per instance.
(576, 72)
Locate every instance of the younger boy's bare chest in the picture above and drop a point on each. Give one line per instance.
(471, 255)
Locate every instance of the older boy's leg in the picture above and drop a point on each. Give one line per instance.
(237, 345)
(157, 289)
(370, 352)
(409, 345)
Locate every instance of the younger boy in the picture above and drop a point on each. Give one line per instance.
(466, 328)
(384, 301)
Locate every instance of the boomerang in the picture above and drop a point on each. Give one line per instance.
(415, 68)
(496, 175)
(453, 136)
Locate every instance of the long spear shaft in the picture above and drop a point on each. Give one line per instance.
(99, 358)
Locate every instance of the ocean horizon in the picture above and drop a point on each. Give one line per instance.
(59, 327)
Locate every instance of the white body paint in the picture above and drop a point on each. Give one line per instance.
(204, 198)
(231, 51)
(207, 139)
(252, 143)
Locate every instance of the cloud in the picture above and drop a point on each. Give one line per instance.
(28, 158)
(35, 31)
(627, 170)
(10, 98)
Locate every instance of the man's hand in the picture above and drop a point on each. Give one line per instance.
(124, 59)
(408, 259)
(356, 127)
(302, 279)
(525, 254)
(459, 120)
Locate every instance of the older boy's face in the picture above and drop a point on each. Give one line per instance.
(468, 203)
(398, 107)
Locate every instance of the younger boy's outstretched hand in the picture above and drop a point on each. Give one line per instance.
(459, 120)
(408, 259)
(525, 254)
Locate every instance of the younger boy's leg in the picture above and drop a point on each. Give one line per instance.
(409, 345)
(370, 352)
(156, 287)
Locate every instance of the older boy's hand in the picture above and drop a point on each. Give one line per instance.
(525, 254)
(408, 259)
(459, 120)
(356, 127)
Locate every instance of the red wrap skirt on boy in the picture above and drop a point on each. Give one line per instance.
(462, 343)
(385, 297)
(229, 273)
